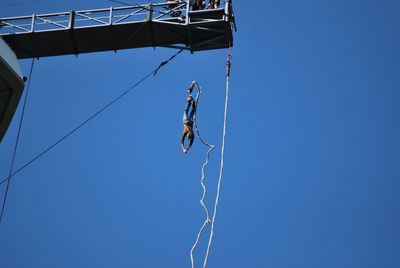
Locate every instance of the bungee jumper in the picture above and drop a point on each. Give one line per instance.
(188, 119)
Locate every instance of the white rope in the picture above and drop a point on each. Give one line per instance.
(221, 168)
(210, 148)
(207, 220)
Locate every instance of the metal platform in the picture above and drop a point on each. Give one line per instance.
(155, 25)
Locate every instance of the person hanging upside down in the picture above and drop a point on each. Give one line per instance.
(188, 120)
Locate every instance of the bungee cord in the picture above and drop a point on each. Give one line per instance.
(228, 70)
(210, 148)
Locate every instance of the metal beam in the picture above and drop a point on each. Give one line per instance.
(158, 24)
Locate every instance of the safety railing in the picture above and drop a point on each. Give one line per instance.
(94, 18)
(171, 11)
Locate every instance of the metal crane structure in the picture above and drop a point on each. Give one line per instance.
(172, 24)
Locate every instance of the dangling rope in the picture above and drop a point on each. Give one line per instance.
(210, 148)
(16, 142)
(228, 70)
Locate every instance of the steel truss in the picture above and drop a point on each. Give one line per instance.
(160, 24)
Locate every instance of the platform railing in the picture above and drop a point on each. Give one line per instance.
(169, 12)
(92, 18)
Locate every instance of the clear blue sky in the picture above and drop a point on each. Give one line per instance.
(312, 167)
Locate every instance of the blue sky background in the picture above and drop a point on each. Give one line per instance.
(312, 163)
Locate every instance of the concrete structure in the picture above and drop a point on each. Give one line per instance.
(11, 86)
